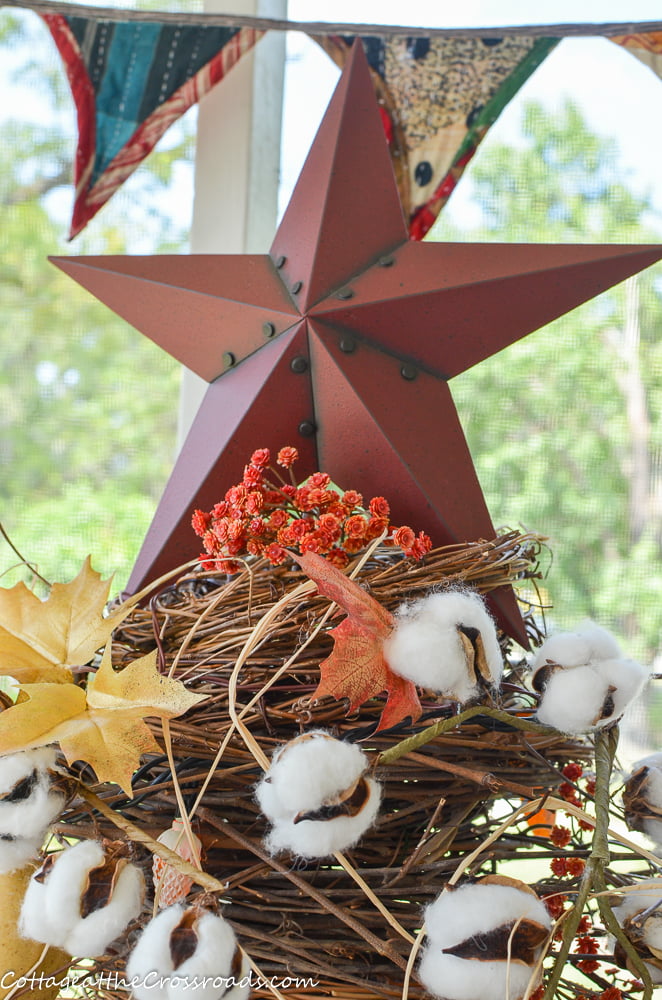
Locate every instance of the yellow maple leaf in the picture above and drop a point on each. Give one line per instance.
(104, 726)
(41, 640)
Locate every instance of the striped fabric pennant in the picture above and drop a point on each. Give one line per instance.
(130, 81)
(438, 97)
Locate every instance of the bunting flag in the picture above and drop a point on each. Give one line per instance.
(438, 94)
(438, 97)
(130, 81)
(645, 47)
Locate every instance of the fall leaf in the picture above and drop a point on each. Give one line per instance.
(356, 669)
(104, 726)
(40, 640)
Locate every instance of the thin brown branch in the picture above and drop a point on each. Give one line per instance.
(39, 187)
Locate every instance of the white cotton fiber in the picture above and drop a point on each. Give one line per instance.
(457, 916)
(151, 958)
(51, 911)
(16, 766)
(15, 852)
(653, 829)
(587, 643)
(91, 935)
(212, 958)
(426, 647)
(152, 967)
(31, 814)
(455, 978)
(307, 773)
(64, 886)
(572, 699)
(628, 678)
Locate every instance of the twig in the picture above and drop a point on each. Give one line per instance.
(377, 903)
(135, 833)
(446, 725)
(486, 779)
(306, 888)
(22, 558)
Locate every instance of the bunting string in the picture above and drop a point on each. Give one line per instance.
(209, 19)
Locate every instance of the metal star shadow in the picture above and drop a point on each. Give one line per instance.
(342, 339)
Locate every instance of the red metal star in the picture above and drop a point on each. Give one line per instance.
(342, 339)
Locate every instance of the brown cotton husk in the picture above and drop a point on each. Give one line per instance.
(508, 942)
(636, 801)
(346, 922)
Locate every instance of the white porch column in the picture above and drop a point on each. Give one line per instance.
(237, 161)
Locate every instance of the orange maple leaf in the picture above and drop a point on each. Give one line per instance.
(357, 669)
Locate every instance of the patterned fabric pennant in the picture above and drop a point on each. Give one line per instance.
(438, 98)
(646, 47)
(130, 81)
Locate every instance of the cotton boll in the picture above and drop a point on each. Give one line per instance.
(469, 930)
(653, 763)
(583, 680)
(431, 658)
(316, 796)
(641, 895)
(151, 958)
(29, 802)
(446, 642)
(91, 935)
(51, 905)
(213, 958)
(17, 766)
(316, 839)
(209, 951)
(65, 906)
(308, 770)
(642, 797)
(652, 828)
(643, 929)
(589, 697)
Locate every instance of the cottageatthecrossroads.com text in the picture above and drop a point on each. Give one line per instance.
(116, 980)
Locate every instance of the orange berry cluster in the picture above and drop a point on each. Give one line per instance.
(265, 515)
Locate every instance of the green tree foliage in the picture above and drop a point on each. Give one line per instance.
(88, 406)
(565, 425)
